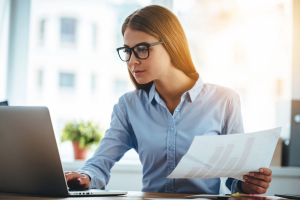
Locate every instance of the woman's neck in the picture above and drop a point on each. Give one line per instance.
(172, 85)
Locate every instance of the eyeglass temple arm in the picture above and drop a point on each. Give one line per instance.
(156, 43)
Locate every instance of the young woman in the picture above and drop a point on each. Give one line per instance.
(169, 107)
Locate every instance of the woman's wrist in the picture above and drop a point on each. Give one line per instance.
(240, 188)
(89, 177)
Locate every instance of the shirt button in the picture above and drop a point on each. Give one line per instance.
(170, 148)
(172, 129)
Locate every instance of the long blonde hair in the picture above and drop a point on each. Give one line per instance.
(162, 24)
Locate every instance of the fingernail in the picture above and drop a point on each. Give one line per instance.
(245, 177)
(261, 170)
(251, 174)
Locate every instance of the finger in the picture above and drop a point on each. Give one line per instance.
(73, 175)
(257, 188)
(83, 180)
(70, 172)
(265, 171)
(256, 181)
(66, 172)
(74, 184)
(80, 181)
(260, 176)
(69, 175)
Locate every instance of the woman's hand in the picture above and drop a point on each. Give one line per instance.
(257, 182)
(77, 181)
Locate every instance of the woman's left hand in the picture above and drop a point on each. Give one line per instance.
(257, 182)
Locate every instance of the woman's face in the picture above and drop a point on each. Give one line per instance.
(155, 66)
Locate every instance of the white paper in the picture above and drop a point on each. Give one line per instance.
(231, 155)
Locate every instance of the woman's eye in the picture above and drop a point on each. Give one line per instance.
(142, 49)
(126, 50)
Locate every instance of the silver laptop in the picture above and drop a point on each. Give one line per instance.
(29, 157)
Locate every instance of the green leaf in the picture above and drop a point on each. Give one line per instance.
(86, 133)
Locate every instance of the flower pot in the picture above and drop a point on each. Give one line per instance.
(79, 154)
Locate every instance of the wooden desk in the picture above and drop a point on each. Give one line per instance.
(130, 195)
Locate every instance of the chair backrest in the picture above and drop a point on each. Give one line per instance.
(4, 103)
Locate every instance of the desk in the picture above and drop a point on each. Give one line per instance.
(130, 195)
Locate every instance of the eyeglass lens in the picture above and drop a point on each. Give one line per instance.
(141, 50)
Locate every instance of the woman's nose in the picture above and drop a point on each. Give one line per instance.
(133, 59)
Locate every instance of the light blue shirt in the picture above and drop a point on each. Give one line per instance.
(143, 122)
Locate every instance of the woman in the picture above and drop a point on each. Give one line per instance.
(169, 107)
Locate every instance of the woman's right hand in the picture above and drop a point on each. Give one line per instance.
(77, 181)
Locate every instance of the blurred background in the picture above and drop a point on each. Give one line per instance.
(62, 54)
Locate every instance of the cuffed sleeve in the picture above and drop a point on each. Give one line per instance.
(117, 141)
(95, 182)
(234, 185)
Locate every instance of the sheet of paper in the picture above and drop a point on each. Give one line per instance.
(231, 155)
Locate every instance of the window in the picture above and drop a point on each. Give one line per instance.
(40, 77)
(42, 31)
(93, 82)
(94, 36)
(280, 88)
(120, 87)
(66, 80)
(243, 47)
(68, 30)
(240, 53)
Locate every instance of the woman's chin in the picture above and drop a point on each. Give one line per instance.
(142, 81)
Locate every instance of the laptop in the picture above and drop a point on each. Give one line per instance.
(288, 196)
(29, 157)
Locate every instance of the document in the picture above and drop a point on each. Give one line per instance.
(231, 155)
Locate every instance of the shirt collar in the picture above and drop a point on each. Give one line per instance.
(193, 92)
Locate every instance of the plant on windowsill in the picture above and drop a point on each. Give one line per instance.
(82, 135)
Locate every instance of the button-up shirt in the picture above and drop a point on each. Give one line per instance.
(142, 121)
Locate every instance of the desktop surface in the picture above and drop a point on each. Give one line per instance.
(130, 195)
(136, 195)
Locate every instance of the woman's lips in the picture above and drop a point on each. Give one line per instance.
(136, 73)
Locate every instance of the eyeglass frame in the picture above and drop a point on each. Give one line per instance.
(135, 53)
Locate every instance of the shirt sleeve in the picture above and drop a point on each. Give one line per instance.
(234, 185)
(233, 124)
(116, 142)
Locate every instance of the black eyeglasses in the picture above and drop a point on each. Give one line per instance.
(140, 51)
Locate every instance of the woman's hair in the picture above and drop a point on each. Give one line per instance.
(162, 24)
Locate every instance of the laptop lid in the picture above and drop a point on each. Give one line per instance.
(30, 161)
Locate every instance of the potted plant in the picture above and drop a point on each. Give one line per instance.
(82, 135)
